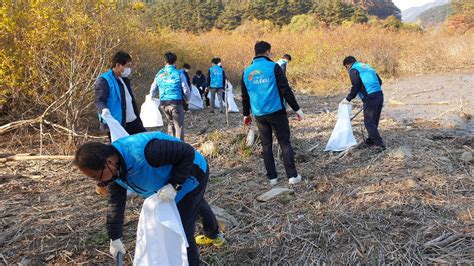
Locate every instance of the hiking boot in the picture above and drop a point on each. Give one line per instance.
(204, 240)
(294, 180)
(273, 181)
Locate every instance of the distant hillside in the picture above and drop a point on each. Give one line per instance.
(410, 14)
(434, 15)
(379, 8)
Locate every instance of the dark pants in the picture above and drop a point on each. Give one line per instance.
(209, 221)
(220, 96)
(175, 116)
(134, 127)
(207, 99)
(278, 123)
(372, 109)
(192, 205)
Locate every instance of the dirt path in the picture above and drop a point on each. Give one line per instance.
(444, 99)
(366, 208)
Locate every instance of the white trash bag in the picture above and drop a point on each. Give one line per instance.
(150, 113)
(342, 136)
(250, 140)
(232, 107)
(160, 235)
(195, 103)
(116, 129)
(217, 103)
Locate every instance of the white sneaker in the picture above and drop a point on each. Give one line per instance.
(273, 181)
(294, 180)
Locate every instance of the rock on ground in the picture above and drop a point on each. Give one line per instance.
(467, 157)
(224, 218)
(274, 192)
(403, 152)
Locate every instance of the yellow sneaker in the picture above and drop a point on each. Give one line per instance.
(204, 240)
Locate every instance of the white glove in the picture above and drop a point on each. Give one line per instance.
(300, 114)
(148, 97)
(116, 246)
(105, 112)
(167, 193)
(345, 101)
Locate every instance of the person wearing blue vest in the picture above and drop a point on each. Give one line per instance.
(216, 83)
(174, 92)
(114, 92)
(283, 62)
(150, 163)
(264, 90)
(367, 84)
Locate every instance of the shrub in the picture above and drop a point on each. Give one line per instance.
(302, 23)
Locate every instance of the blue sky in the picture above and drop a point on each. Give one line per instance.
(404, 4)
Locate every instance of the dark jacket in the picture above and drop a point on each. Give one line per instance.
(158, 152)
(200, 82)
(358, 86)
(102, 93)
(284, 90)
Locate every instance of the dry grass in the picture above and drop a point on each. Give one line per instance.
(366, 208)
(317, 53)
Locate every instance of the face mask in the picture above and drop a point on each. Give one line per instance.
(126, 72)
(112, 179)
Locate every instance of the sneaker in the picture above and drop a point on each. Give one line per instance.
(294, 180)
(273, 181)
(204, 240)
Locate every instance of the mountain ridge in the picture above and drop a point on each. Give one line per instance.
(411, 14)
(379, 8)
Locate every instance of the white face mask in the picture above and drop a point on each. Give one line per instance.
(126, 72)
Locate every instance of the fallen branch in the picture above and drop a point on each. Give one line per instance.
(312, 148)
(70, 132)
(18, 124)
(445, 240)
(29, 157)
(348, 150)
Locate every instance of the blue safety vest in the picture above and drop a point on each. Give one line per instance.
(216, 76)
(369, 78)
(259, 78)
(114, 100)
(144, 179)
(168, 81)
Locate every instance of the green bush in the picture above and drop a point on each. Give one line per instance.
(302, 23)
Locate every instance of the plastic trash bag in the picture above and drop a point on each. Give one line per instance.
(250, 140)
(342, 136)
(217, 103)
(195, 103)
(116, 129)
(150, 113)
(160, 235)
(232, 107)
